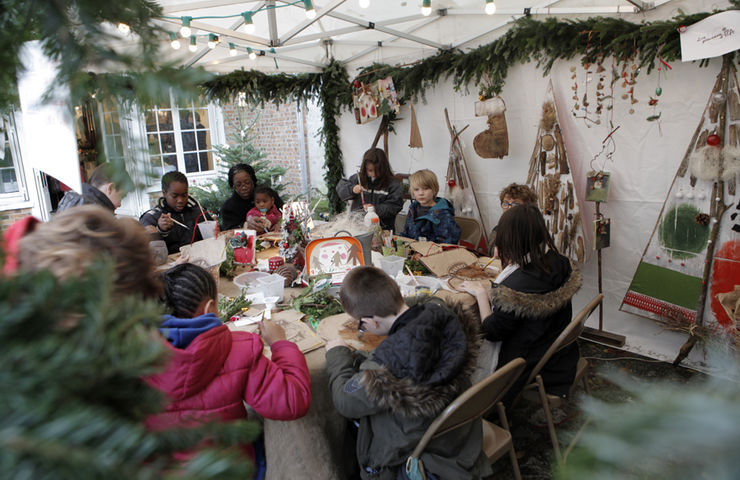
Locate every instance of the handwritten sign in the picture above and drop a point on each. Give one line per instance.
(711, 37)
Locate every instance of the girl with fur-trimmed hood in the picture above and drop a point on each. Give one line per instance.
(406, 382)
(530, 304)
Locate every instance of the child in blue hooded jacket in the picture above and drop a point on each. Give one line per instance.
(430, 216)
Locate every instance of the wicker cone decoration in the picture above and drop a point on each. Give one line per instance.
(494, 142)
(415, 138)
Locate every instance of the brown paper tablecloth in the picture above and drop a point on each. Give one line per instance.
(317, 446)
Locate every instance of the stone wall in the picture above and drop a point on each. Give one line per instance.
(279, 135)
(8, 217)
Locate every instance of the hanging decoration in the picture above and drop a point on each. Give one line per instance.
(493, 142)
(460, 190)
(693, 253)
(415, 138)
(551, 179)
(374, 100)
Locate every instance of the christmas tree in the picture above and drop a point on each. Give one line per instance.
(73, 402)
(241, 150)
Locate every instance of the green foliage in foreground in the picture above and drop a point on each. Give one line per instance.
(73, 403)
(668, 431)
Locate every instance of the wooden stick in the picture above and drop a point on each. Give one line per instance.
(413, 277)
(714, 234)
(181, 224)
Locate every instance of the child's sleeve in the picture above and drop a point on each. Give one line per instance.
(499, 326)
(344, 188)
(393, 202)
(279, 389)
(347, 392)
(447, 230)
(408, 229)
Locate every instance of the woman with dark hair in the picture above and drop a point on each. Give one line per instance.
(374, 186)
(242, 180)
(530, 303)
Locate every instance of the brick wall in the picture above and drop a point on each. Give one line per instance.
(8, 217)
(278, 134)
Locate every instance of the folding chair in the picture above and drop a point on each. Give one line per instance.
(473, 403)
(534, 390)
(472, 235)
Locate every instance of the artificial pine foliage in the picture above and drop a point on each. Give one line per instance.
(241, 150)
(73, 403)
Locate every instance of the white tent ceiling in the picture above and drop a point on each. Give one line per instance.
(389, 31)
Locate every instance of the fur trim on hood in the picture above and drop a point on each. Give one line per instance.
(410, 399)
(536, 305)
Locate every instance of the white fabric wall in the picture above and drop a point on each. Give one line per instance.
(644, 165)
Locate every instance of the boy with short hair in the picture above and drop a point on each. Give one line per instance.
(406, 382)
(430, 216)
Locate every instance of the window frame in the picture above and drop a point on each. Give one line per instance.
(19, 199)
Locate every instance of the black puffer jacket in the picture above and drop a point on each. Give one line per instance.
(387, 200)
(412, 376)
(178, 235)
(90, 196)
(530, 309)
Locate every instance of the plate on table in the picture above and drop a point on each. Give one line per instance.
(344, 326)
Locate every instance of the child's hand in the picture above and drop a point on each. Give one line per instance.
(271, 332)
(356, 189)
(337, 342)
(165, 222)
(474, 288)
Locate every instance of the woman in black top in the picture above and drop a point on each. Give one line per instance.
(242, 180)
(374, 186)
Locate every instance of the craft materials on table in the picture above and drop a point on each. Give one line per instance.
(345, 327)
(295, 330)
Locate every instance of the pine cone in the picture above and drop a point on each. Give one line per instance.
(702, 219)
(289, 271)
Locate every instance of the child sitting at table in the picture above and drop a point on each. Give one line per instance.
(429, 216)
(512, 195)
(264, 208)
(212, 370)
(177, 214)
(406, 382)
(531, 304)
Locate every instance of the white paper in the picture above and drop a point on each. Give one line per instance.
(711, 37)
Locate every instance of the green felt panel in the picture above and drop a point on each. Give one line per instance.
(667, 285)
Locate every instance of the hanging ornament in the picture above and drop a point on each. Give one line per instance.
(713, 140)
(719, 97)
(451, 182)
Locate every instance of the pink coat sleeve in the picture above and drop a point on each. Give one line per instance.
(279, 389)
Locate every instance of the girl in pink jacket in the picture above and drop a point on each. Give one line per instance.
(213, 370)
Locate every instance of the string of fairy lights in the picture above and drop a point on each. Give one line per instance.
(186, 32)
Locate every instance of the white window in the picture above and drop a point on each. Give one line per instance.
(179, 138)
(12, 188)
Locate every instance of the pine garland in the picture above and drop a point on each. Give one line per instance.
(543, 42)
(331, 87)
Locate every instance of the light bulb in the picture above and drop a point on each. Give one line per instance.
(490, 7)
(426, 8)
(212, 41)
(174, 42)
(364, 3)
(185, 30)
(251, 53)
(248, 23)
(310, 11)
(193, 46)
(232, 50)
(124, 28)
